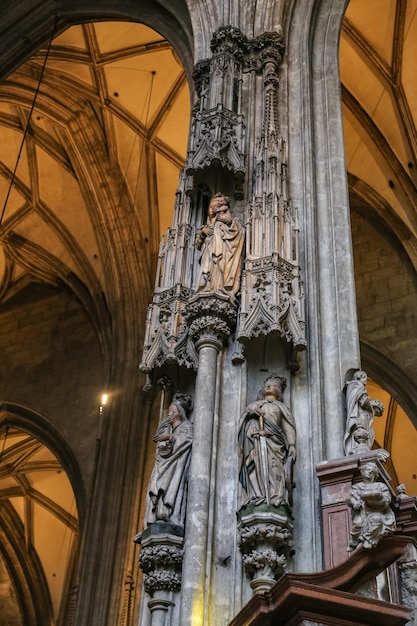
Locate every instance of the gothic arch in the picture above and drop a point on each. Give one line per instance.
(41, 486)
(390, 377)
(32, 27)
(23, 418)
(368, 201)
(24, 569)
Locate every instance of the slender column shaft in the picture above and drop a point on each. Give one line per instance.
(195, 552)
(159, 608)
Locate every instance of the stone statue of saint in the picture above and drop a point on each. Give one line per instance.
(220, 242)
(372, 516)
(360, 413)
(169, 479)
(267, 437)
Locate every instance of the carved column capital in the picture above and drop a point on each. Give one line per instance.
(211, 319)
(229, 40)
(272, 48)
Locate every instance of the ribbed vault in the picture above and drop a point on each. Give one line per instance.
(95, 149)
(38, 527)
(377, 55)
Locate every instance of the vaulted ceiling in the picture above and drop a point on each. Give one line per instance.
(378, 51)
(113, 88)
(39, 523)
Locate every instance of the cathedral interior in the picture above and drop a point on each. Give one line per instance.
(95, 106)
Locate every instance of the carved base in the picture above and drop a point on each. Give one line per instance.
(161, 558)
(329, 597)
(265, 542)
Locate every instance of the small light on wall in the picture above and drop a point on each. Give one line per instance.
(103, 402)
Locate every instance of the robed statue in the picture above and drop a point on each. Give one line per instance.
(267, 438)
(360, 413)
(169, 479)
(372, 516)
(220, 242)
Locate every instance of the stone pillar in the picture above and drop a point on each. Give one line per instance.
(210, 318)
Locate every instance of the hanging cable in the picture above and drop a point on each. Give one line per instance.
(144, 115)
(6, 432)
(146, 118)
(28, 122)
(144, 139)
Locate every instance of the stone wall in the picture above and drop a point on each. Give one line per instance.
(386, 290)
(52, 364)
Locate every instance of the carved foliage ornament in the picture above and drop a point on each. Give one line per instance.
(161, 564)
(210, 318)
(408, 572)
(265, 542)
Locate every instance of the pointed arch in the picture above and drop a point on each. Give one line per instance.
(39, 521)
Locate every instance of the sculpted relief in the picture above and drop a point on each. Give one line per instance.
(267, 437)
(220, 243)
(372, 516)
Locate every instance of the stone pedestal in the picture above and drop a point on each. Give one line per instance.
(161, 562)
(265, 542)
(336, 478)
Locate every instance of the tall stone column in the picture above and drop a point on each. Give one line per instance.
(210, 318)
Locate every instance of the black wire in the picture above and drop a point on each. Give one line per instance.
(28, 122)
(4, 442)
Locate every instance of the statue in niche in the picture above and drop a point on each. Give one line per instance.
(360, 413)
(169, 478)
(220, 242)
(372, 517)
(267, 437)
